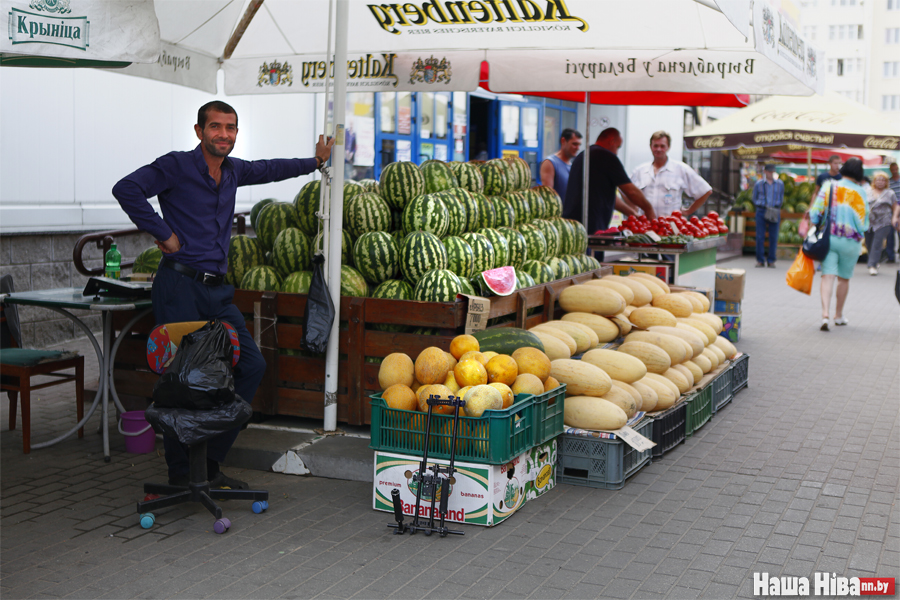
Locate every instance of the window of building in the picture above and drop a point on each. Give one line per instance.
(831, 32)
(893, 4)
(890, 102)
(891, 69)
(892, 35)
(859, 32)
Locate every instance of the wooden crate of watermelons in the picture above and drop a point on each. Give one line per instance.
(371, 328)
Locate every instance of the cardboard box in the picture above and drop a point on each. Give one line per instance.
(625, 268)
(730, 284)
(731, 327)
(727, 307)
(482, 495)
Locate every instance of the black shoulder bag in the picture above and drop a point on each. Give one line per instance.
(817, 240)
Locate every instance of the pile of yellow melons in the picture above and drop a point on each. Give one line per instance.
(485, 380)
(670, 343)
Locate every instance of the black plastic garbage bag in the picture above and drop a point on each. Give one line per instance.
(319, 315)
(200, 375)
(195, 426)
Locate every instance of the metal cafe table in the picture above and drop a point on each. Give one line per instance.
(63, 300)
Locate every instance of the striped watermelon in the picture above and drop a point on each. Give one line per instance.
(553, 204)
(460, 256)
(518, 248)
(346, 246)
(501, 246)
(465, 287)
(392, 289)
(291, 252)
(483, 249)
(520, 171)
(272, 220)
(521, 206)
(591, 263)
(306, 203)
(581, 237)
(470, 203)
(486, 212)
(426, 213)
(421, 252)
(468, 176)
(261, 279)
(376, 256)
(456, 209)
(370, 185)
(540, 271)
(573, 262)
(353, 283)
(400, 183)
(560, 268)
(524, 280)
(504, 214)
(297, 283)
(148, 260)
(254, 212)
(494, 173)
(438, 285)
(244, 253)
(438, 176)
(366, 212)
(566, 234)
(551, 235)
(536, 201)
(534, 239)
(351, 190)
(398, 236)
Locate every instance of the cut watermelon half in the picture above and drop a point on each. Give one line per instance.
(501, 281)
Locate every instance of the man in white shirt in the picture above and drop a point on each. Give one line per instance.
(663, 181)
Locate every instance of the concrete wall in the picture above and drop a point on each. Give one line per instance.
(44, 261)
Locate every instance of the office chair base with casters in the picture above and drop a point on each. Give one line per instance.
(197, 490)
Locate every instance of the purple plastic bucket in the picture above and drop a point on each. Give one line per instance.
(133, 422)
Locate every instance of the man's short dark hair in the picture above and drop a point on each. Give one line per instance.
(568, 133)
(833, 157)
(853, 169)
(609, 132)
(218, 106)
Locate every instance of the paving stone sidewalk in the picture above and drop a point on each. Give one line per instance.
(798, 475)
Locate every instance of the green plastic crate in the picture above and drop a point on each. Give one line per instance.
(495, 438)
(548, 414)
(600, 463)
(699, 410)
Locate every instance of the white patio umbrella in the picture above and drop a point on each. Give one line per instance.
(281, 46)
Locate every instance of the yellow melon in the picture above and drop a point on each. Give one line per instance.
(691, 337)
(479, 356)
(588, 412)
(585, 337)
(604, 328)
(619, 366)
(506, 392)
(470, 372)
(653, 357)
(581, 378)
(704, 363)
(653, 279)
(481, 398)
(401, 397)
(550, 384)
(652, 288)
(432, 365)
(649, 398)
(681, 382)
(553, 346)
(526, 383)
(646, 317)
(708, 332)
(502, 369)
(666, 393)
(622, 323)
(696, 305)
(669, 344)
(701, 298)
(725, 346)
(591, 299)
(622, 399)
(396, 368)
(638, 399)
(676, 304)
(641, 295)
(462, 344)
(688, 374)
(695, 370)
(617, 287)
(562, 336)
(533, 361)
(439, 391)
(711, 320)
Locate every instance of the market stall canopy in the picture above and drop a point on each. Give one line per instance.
(829, 121)
(78, 33)
(792, 153)
(531, 45)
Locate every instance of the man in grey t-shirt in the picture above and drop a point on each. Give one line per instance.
(555, 168)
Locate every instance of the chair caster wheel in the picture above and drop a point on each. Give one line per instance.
(260, 506)
(147, 520)
(221, 525)
(149, 497)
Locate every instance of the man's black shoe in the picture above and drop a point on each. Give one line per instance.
(224, 482)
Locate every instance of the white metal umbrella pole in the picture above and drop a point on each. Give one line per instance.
(325, 184)
(585, 179)
(333, 260)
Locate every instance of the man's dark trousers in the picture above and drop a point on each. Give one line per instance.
(763, 227)
(177, 298)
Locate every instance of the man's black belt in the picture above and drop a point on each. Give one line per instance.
(204, 278)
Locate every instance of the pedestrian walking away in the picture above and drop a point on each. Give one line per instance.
(833, 172)
(664, 181)
(606, 174)
(849, 222)
(882, 201)
(555, 168)
(768, 193)
(196, 191)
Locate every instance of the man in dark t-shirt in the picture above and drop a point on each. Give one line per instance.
(606, 174)
(833, 172)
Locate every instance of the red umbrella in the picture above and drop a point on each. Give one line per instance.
(821, 155)
(635, 98)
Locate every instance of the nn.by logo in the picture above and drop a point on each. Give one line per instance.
(823, 584)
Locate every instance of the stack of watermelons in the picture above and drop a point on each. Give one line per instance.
(421, 232)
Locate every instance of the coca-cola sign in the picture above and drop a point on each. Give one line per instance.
(881, 143)
(713, 141)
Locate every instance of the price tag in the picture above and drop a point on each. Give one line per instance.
(653, 236)
(634, 439)
(626, 232)
(478, 311)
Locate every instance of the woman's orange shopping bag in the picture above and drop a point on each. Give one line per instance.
(800, 275)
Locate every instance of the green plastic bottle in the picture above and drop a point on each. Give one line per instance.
(113, 263)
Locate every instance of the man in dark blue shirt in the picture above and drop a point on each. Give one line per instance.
(196, 192)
